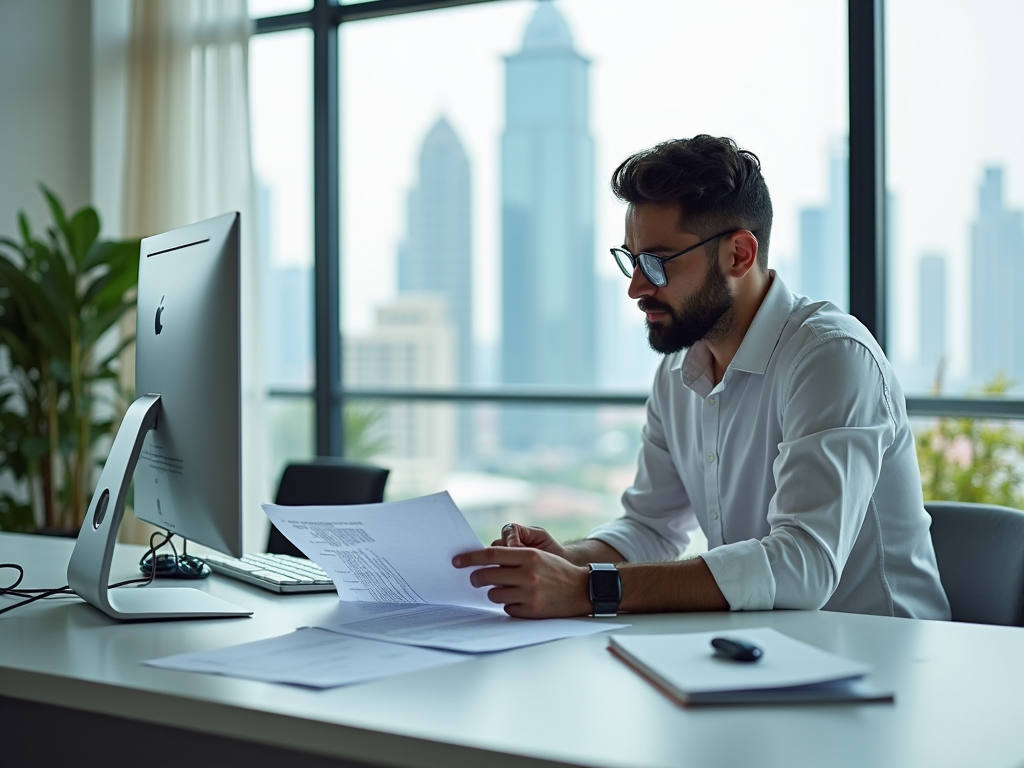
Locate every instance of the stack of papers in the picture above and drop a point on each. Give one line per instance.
(402, 604)
(686, 669)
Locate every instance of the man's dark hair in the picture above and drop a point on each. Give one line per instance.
(716, 184)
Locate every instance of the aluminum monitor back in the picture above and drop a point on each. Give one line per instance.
(188, 351)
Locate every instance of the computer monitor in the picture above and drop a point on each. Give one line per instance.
(181, 438)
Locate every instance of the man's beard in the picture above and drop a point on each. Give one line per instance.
(708, 314)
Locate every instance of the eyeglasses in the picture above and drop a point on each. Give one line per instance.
(653, 266)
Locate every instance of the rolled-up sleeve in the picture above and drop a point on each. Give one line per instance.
(658, 514)
(837, 425)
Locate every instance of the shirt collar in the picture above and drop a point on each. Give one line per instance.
(758, 343)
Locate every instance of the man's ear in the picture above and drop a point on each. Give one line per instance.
(740, 252)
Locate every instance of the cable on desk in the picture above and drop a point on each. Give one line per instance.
(32, 595)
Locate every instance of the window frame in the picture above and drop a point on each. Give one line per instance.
(867, 230)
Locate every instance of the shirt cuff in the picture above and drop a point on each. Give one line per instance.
(744, 575)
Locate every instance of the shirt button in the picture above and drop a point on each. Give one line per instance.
(711, 401)
(714, 514)
(711, 458)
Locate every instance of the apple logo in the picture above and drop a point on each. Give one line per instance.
(159, 311)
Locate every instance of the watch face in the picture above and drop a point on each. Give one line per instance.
(604, 585)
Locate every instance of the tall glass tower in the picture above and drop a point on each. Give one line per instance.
(997, 282)
(824, 238)
(547, 197)
(436, 256)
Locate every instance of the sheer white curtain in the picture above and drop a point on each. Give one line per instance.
(188, 158)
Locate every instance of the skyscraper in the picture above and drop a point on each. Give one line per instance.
(436, 255)
(824, 239)
(932, 309)
(547, 196)
(412, 345)
(286, 309)
(997, 284)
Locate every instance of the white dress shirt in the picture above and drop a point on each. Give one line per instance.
(799, 466)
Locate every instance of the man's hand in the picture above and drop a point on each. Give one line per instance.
(577, 552)
(516, 535)
(530, 583)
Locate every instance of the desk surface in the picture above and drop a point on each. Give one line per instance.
(959, 689)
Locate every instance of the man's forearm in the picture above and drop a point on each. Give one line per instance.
(592, 551)
(688, 585)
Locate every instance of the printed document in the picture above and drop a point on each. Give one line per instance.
(310, 657)
(392, 565)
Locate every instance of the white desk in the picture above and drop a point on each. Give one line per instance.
(959, 694)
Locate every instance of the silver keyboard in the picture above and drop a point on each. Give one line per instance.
(278, 573)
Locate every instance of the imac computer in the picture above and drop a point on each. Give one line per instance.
(181, 438)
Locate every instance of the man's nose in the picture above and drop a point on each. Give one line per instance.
(639, 285)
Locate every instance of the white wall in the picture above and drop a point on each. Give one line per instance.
(45, 107)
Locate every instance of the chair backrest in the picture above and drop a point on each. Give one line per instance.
(980, 552)
(328, 482)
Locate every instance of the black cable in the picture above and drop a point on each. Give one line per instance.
(26, 593)
(31, 595)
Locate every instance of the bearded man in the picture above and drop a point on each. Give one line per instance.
(775, 424)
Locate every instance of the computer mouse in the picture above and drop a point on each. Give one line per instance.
(180, 567)
(736, 650)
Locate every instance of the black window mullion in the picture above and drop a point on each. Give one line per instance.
(326, 225)
(867, 165)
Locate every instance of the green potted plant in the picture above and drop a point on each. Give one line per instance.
(60, 295)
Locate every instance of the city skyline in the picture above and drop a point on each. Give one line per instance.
(937, 189)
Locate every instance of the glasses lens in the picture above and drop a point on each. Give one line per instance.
(653, 269)
(625, 261)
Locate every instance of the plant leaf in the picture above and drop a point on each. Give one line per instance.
(85, 229)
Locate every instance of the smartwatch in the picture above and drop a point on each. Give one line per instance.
(605, 589)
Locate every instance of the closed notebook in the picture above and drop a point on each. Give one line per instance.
(685, 668)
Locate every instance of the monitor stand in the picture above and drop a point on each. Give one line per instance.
(89, 569)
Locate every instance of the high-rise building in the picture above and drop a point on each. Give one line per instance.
(625, 358)
(824, 239)
(286, 310)
(436, 256)
(413, 347)
(547, 197)
(997, 284)
(932, 311)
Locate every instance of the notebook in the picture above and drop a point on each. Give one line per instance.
(687, 670)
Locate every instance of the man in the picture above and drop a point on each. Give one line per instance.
(775, 423)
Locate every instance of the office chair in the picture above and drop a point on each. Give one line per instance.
(980, 552)
(325, 481)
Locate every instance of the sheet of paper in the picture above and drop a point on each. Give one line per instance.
(457, 628)
(392, 565)
(400, 552)
(310, 657)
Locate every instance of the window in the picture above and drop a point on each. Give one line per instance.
(281, 96)
(476, 215)
(487, 337)
(956, 178)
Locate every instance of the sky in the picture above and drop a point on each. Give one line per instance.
(773, 75)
